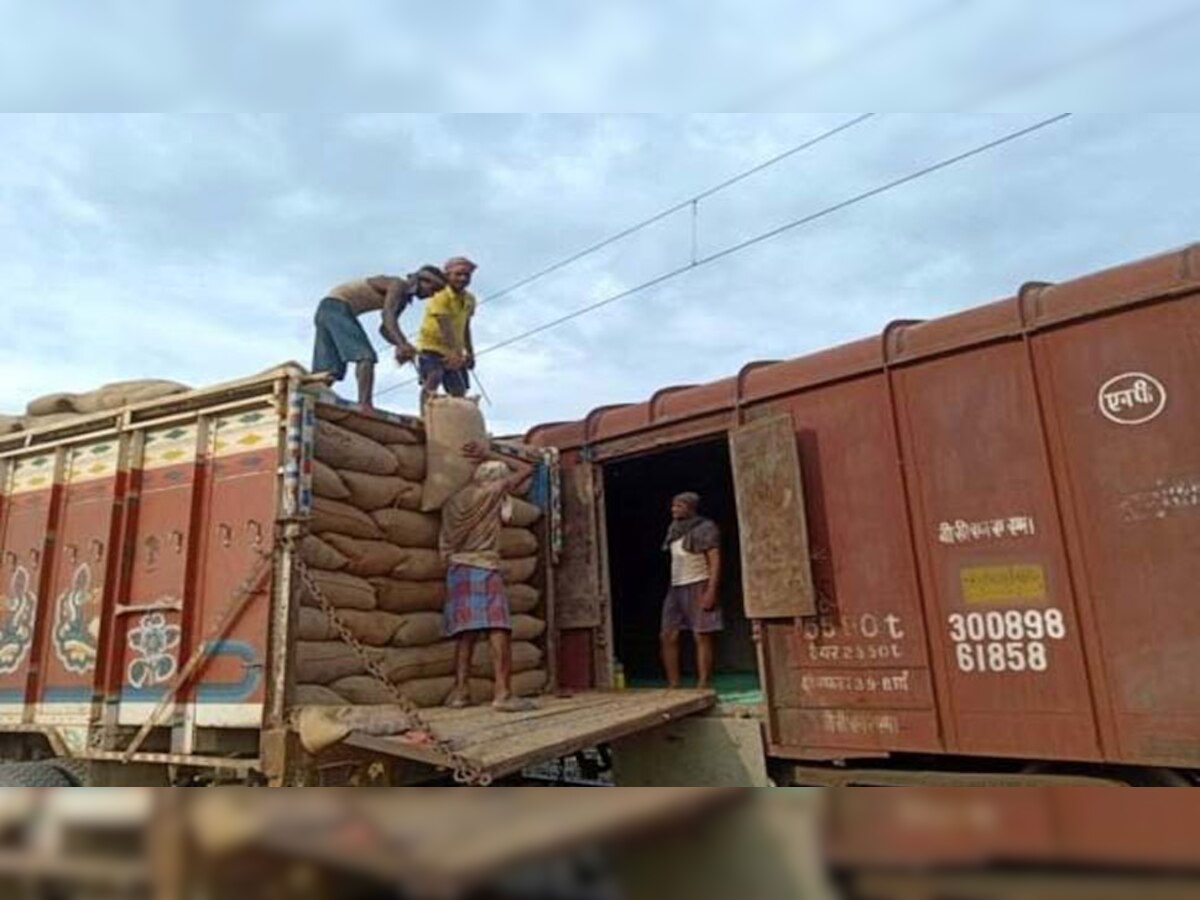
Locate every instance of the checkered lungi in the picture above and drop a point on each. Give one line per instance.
(475, 601)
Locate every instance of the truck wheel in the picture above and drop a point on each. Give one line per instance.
(33, 775)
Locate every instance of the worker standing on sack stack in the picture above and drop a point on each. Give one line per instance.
(446, 349)
(341, 339)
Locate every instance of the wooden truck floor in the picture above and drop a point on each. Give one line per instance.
(504, 743)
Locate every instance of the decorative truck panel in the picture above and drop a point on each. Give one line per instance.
(148, 619)
(29, 490)
(239, 512)
(81, 565)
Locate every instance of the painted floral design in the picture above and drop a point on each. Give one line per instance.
(16, 626)
(153, 642)
(77, 624)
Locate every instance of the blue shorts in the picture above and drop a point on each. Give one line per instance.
(456, 382)
(340, 339)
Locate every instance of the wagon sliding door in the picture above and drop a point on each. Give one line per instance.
(776, 571)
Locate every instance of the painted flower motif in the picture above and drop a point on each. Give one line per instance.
(16, 626)
(152, 642)
(76, 624)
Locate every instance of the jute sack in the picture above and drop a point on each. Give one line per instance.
(424, 692)
(518, 571)
(522, 598)
(411, 460)
(322, 662)
(420, 565)
(525, 657)
(524, 513)
(367, 559)
(335, 517)
(320, 555)
(518, 542)
(125, 393)
(525, 684)
(328, 483)
(343, 590)
(9, 424)
(318, 695)
(406, 528)
(418, 630)
(410, 596)
(313, 625)
(450, 423)
(527, 628)
(380, 430)
(344, 449)
(51, 404)
(372, 492)
(374, 628)
(408, 663)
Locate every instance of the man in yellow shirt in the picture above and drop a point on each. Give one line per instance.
(446, 350)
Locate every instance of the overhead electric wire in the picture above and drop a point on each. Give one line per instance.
(772, 233)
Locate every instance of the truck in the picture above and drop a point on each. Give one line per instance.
(152, 581)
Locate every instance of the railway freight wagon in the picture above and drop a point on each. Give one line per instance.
(181, 578)
(968, 545)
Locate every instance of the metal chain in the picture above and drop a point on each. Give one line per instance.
(465, 771)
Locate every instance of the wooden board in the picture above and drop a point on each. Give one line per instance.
(503, 743)
(577, 577)
(776, 570)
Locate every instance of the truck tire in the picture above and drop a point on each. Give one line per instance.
(33, 775)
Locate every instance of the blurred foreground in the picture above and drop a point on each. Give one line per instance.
(579, 844)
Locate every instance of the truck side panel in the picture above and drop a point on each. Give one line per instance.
(29, 494)
(82, 571)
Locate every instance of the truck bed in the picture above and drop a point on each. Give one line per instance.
(504, 743)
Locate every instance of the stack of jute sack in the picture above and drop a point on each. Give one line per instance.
(55, 408)
(372, 547)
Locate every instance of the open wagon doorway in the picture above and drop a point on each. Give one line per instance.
(637, 498)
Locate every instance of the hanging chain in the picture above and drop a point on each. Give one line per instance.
(465, 771)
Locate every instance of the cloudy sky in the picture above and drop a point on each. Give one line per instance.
(195, 243)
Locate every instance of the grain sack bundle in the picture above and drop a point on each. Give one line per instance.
(345, 449)
(374, 553)
(522, 598)
(524, 513)
(335, 517)
(375, 492)
(410, 596)
(342, 590)
(516, 543)
(518, 571)
(367, 559)
(328, 483)
(318, 554)
(406, 528)
(451, 424)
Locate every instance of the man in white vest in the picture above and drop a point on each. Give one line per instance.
(692, 603)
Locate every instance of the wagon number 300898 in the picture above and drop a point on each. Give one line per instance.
(1006, 641)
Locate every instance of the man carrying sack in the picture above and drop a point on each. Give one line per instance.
(476, 603)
